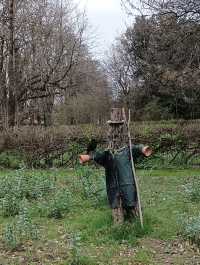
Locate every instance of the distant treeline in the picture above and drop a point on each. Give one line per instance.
(155, 63)
(48, 76)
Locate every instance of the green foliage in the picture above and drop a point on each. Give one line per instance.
(144, 256)
(167, 160)
(74, 149)
(39, 189)
(129, 232)
(155, 111)
(59, 204)
(11, 159)
(38, 185)
(9, 236)
(16, 187)
(76, 257)
(29, 185)
(90, 230)
(93, 185)
(75, 249)
(21, 229)
(190, 229)
(192, 189)
(98, 227)
(24, 226)
(9, 205)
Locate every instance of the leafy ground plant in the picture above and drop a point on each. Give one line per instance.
(9, 205)
(20, 230)
(192, 189)
(76, 256)
(59, 204)
(23, 185)
(190, 229)
(93, 185)
(10, 237)
(13, 160)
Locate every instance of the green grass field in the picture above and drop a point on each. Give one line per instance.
(85, 233)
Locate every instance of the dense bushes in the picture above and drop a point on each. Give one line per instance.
(179, 141)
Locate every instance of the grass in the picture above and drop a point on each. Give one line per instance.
(86, 234)
(144, 256)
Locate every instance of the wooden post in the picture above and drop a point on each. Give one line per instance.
(116, 139)
(116, 133)
(133, 166)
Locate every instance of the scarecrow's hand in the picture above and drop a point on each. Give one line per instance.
(147, 151)
(84, 158)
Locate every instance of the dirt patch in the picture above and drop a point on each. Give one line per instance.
(172, 252)
(49, 252)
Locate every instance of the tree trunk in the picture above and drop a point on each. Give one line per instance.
(49, 102)
(3, 90)
(11, 77)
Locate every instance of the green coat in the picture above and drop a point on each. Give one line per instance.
(119, 176)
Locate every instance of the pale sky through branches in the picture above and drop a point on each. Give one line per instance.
(107, 18)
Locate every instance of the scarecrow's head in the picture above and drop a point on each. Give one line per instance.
(117, 131)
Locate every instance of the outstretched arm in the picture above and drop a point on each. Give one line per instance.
(98, 156)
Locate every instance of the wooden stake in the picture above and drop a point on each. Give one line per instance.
(132, 165)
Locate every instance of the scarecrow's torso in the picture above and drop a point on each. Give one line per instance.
(117, 165)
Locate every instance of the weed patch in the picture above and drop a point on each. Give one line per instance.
(190, 229)
(192, 189)
(20, 230)
(92, 185)
(22, 185)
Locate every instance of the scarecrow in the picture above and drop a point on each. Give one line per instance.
(118, 160)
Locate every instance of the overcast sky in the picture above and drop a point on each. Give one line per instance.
(107, 18)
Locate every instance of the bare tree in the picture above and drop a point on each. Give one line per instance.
(89, 96)
(186, 9)
(40, 45)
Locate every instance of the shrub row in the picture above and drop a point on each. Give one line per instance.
(60, 146)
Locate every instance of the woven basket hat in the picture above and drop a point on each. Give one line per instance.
(116, 117)
(117, 130)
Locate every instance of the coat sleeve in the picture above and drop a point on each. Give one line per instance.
(137, 151)
(99, 157)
